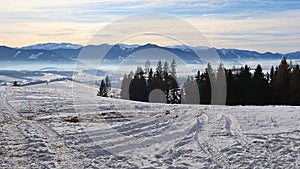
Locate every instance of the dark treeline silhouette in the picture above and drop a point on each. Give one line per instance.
(280, 86)
(139, 85)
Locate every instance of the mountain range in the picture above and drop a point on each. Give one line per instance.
(67, 52)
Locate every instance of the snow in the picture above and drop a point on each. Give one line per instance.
(114, 133)
(35, 56)
(127, 47)
(28, 79)
(17, 54)
(180, 47)
(52, 46)
(187, 48)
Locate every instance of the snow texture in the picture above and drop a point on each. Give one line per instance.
(36, 132)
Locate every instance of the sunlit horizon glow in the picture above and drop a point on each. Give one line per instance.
(261, 25)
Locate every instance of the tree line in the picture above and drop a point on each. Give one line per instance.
(279, 86)
(138, 86)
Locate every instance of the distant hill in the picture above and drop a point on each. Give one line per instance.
(66, 52)
(53, 46)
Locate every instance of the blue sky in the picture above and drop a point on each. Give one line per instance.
(262, 25)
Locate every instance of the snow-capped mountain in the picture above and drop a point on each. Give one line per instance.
(53, 46)
(11, 55)
(181, 47)
(187, 48)
(116, 53)
(127, 47)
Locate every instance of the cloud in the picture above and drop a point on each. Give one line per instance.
(258, 24)
(257, 33)
(28, 33)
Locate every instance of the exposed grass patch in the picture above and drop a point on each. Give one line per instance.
(167, 112)
(3, 121)
(72, 119)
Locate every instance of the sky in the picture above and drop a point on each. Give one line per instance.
(261, 25)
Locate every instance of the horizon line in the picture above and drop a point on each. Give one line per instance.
(84, 45)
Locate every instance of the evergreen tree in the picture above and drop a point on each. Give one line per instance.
(139, 71)
(281, 84)
(189, 88)
(210, 72)
(230, 80)
(220, 86)
(125, 87)
(157, 81)
(260, 87)
(166, 70)
(166, 81)
(107, 83)
(295, 86)
(173, 69)
(102, 89)
(205, 85)
(244, 87)
(174, 89)
(150, 76)
(271, 80)
(159, 68)
(138, 87)
(147, 66)
(150, 82)
(272, 73)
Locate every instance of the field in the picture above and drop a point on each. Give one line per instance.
(64, 125)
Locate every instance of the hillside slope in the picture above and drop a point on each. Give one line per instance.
(37, 132)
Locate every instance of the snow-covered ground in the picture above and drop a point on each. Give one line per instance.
(8, 80)
(36, 132)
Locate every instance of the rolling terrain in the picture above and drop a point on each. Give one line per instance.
(61, 125)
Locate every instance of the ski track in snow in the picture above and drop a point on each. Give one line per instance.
(124, 134)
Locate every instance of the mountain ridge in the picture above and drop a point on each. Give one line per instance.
(69, 52)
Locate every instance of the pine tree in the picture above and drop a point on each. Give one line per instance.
(125, 87)
(166, 81)
(245, 86)
(102, 89)
(204, 88)
(159, 69)
(147, 66)
(230, 80)
(210, 72)
(175, 92)
(260, 87)
(150, 82)
(281, 83)
(206, 85)
(173, 69)
(139, 92)
(272, 73)
(139, 71)
(220, 86)
(150, 76)
(190, 88)
(107, 83)
(295, 86)
(138, 87)
(157, 80)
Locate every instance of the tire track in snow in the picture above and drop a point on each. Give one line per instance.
(256, 148)
(204, 141)
(40, 140)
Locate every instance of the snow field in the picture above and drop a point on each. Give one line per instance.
(114, 133)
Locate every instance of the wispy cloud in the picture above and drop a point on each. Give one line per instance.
(264, 25)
